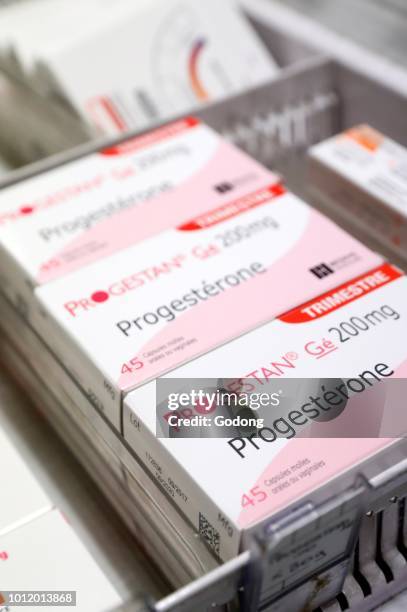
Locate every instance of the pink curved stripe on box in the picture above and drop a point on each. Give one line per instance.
(341, 452)
(338, 454)
(194, 197)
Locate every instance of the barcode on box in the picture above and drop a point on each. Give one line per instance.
(209, 534)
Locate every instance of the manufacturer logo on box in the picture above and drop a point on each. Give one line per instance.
(321, 270)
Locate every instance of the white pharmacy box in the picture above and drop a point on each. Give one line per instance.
(228, 485)
(145, 310)
(61, 220)
(186, 54)
(21, 497)
(362, 174)
(47, 555)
